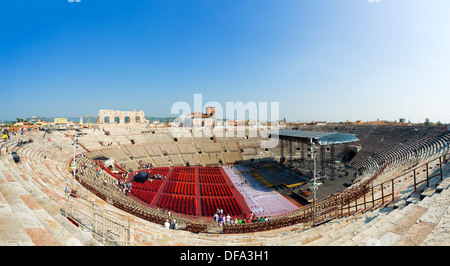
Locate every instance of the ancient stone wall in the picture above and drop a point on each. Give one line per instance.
(121, 117)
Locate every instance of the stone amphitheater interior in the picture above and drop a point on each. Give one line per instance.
(388, 188)
(233, 131)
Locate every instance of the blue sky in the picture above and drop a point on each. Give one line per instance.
(333, 60)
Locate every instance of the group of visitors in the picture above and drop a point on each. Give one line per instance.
(220, 219)
(151, 177)
(143, 165)
(20, 142)
(166, 211)
(98, 172)
(81, 167)
(84, 165)
(123, 175)
(122, 186)
(7, 132)
(172, 225)
(71, 192)
(252, 218)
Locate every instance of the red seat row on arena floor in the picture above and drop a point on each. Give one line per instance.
(144, 195)
(181, 169)
(183, 188)
(212, 178)
(186, 177)
(178, 203)
(209, 171)
(147, 185)
(215, 190)
(187, 186)
(160, 170)
(228, 204)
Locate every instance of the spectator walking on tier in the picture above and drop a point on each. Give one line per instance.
(67, 191)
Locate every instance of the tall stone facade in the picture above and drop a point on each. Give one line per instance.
(121, 117)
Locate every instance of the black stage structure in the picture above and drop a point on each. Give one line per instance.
(326, 141)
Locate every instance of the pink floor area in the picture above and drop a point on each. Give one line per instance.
(262, 201)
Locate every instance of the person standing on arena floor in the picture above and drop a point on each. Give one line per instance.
(216, 218)
(220, 220)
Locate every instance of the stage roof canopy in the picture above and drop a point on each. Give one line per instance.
(322, 138)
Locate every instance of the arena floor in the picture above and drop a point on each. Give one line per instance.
(276, 176)
(273, 176)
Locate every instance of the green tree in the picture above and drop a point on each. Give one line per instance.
(427, 122)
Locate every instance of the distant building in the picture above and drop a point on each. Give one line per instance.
(60, 123)
(318, 123)
(379, 122)
(199, 119)
(42, 124)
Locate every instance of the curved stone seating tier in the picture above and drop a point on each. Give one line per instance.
(160, 149)
(406, 156)
(31, 195)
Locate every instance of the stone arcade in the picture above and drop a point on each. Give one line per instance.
(121, 117)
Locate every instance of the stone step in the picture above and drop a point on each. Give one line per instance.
(27, 198)
(445, 184)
